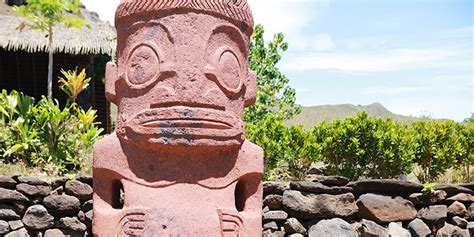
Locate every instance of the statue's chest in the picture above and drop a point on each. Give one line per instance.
(164, 211)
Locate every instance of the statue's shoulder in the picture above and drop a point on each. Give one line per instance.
(108, 151)
(107, 143)
(252, 155)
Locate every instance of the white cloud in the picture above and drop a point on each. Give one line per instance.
(390, 91)
(379, 61)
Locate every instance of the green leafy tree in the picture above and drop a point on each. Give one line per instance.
(275, 101)
(274, 96)
(43, 15)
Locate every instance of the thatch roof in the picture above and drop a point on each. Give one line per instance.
(99, 39)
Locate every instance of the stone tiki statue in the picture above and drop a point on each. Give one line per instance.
(178, 163)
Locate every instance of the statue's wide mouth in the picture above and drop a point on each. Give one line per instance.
(184, 117)
(185, 125)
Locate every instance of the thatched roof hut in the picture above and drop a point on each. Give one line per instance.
(24, 59)
(100, 38)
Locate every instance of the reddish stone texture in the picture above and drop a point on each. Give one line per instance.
(178, 163)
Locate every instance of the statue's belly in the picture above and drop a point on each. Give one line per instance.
(177, 210)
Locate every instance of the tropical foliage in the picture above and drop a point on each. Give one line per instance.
(44, 134)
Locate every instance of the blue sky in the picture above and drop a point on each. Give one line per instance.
(413, 56)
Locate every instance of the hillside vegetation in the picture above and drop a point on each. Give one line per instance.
(310, 116)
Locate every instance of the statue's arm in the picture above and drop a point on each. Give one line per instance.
(250, 193)
(106, 182)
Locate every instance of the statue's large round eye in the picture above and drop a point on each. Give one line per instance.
(230, 71)
(143, 66)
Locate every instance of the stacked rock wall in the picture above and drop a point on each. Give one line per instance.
(33, 207)
(331, 206)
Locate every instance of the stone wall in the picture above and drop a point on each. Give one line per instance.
(32, 207)
(329, 206)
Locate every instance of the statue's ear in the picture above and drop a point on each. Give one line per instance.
(110, 80)
(251, 89)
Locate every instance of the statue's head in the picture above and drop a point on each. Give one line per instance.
(182, 76)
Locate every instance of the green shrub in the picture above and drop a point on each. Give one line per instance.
(302, 151)
(270, 135)
(438, 146)
(362, 146)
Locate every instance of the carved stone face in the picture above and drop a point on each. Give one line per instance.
(181, 80)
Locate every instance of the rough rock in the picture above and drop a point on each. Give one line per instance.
(4, 227)
(296, 235)
(470, 212)
(38, 218)
(54, 233)
(15, 225)
(385, 186)
(8, 213)
(273, 201)
(71, 223)
(308, 206)
(449, 230)
(85, 179)
(332, 227)
(20, 207)
(292, 226)
(270, 226)
(468, 185)
(332, 180)
(32, 181)
(460, 222)
(18, 233)
(82, 216)
(274, 233)
(396, 230)
(433, 214)
(384, 209)
(452, 189)
(418, 228)
(457, 209)
(429, 198)
(462, 197)
(80, 190)
(318, 188)
(470, 228)
(7, 195)
(58, 183)
(33, 190)
(274, 188)
(87, 206)
(62, 205)
(369, 228)
(275, 216)
(89, 216)
(7, 182)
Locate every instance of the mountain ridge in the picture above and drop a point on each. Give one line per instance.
(311, 115)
